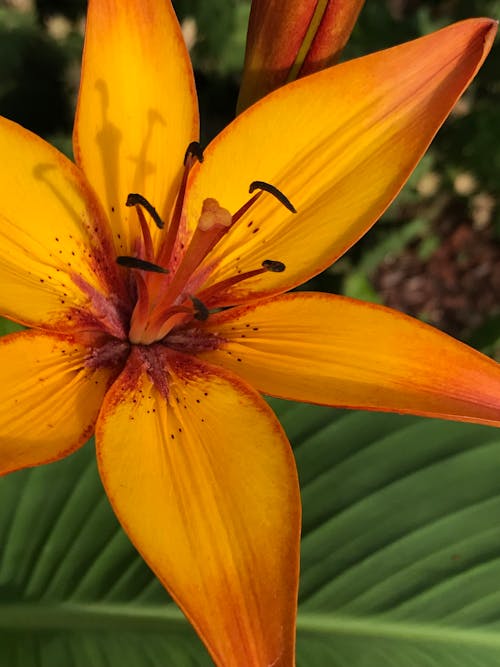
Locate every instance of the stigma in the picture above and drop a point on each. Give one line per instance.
(168, 279)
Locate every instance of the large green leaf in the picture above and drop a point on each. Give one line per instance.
(400, 565)
(401, 543)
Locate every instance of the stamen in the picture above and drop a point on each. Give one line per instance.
(176, 315)
(273, 265)
(148, 253)
(138, 200)
(195, 150)
(136, 263)
(212, 295)
(201, 312)
(156, 330)
(241, 211)
(168, 246)
(267, 187)
(141, 309)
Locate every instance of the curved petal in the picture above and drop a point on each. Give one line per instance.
(337, 351)
(203, 480)
(137, 108)
(50, 394)
(56, 266)
(339, 144)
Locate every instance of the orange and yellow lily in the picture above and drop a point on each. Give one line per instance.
(153, 282)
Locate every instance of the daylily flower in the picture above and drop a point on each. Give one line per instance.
(154, 285)
(289, 39)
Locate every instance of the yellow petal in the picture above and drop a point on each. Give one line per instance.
(336, 351)
(50, 396)
(287, 39)
(137, 108)
(339, 144)
(55, 249)
(204, 483)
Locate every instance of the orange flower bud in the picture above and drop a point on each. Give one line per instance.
(288, 39)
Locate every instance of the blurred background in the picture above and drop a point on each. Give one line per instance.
(435, 254)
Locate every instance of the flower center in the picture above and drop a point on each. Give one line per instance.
(167, 280)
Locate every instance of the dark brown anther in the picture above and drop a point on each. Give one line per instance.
(267, 187)
(201, 312)
(138, 200)
(136, 263)
(273, 266)
(195, 150)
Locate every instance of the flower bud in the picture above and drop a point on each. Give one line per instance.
(288, 39)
